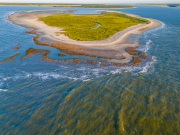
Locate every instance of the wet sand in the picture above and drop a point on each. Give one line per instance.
(112, 49)
(138, 56)
(12, 58)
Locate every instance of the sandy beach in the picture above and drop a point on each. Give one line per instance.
(112, 49)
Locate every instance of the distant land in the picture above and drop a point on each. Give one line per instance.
(87, 5)
(163, 5)
(67, 5)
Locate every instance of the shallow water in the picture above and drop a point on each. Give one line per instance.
(39, 97)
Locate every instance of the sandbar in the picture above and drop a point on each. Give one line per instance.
(112, 49)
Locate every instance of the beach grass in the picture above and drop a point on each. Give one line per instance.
(92, 27)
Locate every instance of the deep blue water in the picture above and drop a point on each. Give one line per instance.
(39, 97)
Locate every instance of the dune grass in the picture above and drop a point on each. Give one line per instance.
(92, 27)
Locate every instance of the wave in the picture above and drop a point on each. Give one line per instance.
(163, 25)
(83, 74)
(1, 87)
(4, 90)
(5, 17)
(149, 65)
(42, 76)
(146, 47)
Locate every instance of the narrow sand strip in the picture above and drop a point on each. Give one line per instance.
(118, 42)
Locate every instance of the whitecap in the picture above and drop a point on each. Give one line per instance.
(149, 65)
(4, 90)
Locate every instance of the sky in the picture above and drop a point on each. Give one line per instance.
(91, 1)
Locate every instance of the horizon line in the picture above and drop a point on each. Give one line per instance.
(82, 3)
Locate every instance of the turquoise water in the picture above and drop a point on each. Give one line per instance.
(39, 97)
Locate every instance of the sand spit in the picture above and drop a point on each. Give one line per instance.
(112, 49)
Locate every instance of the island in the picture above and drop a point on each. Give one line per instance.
(104, 35)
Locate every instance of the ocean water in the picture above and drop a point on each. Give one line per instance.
(39, 97)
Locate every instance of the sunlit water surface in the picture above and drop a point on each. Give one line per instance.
(39, 97)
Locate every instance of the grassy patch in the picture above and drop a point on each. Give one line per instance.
(92, 27)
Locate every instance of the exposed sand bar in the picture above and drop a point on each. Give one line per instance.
(113, 47)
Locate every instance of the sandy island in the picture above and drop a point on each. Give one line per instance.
(113, 49)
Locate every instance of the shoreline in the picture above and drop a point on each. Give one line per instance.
(114, 47)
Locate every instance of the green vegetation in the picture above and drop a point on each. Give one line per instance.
(92, 27)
